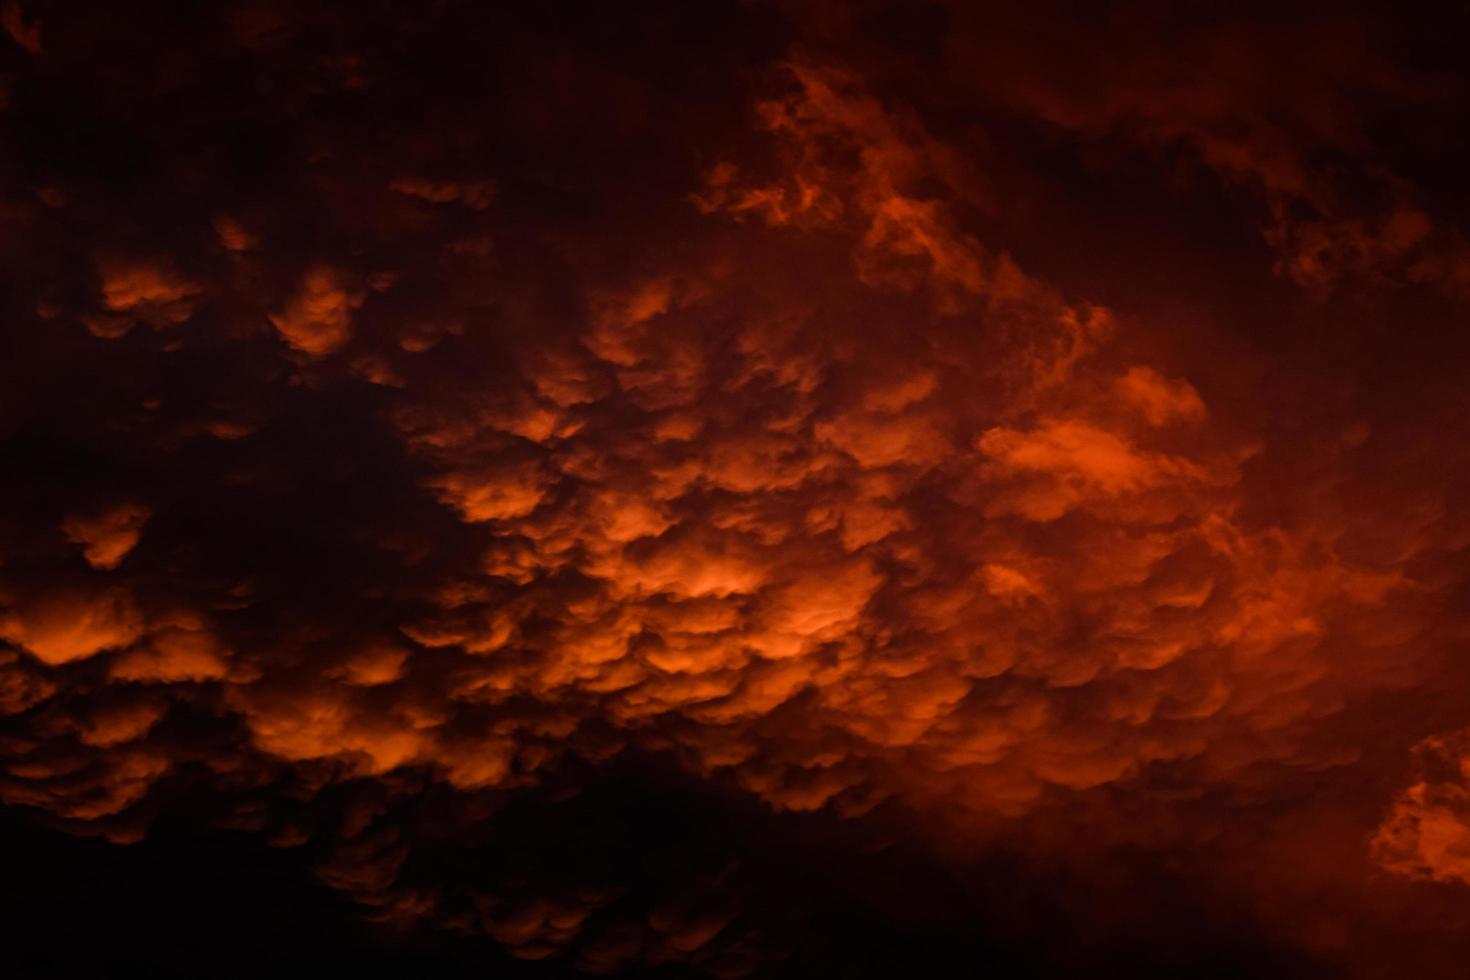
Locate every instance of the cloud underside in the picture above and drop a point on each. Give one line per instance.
(405, 468)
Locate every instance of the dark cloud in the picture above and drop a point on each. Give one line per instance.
(820, 490)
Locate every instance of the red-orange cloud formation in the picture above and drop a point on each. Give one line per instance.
(477, 440)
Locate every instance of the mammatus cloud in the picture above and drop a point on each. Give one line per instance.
(394, 494)
(106, 536)
(318, 318)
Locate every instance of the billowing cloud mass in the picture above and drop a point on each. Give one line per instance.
(810, 489)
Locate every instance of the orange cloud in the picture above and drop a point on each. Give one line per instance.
(107, 536)
(800, 483)
(1161, 400)
(1426, 831)
(318, 318)
(72, 624)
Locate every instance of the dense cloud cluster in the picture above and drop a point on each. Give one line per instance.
(399, 435)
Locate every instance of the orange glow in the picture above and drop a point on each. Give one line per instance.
(964, 447)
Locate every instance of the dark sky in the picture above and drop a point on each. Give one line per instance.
(811, 489)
